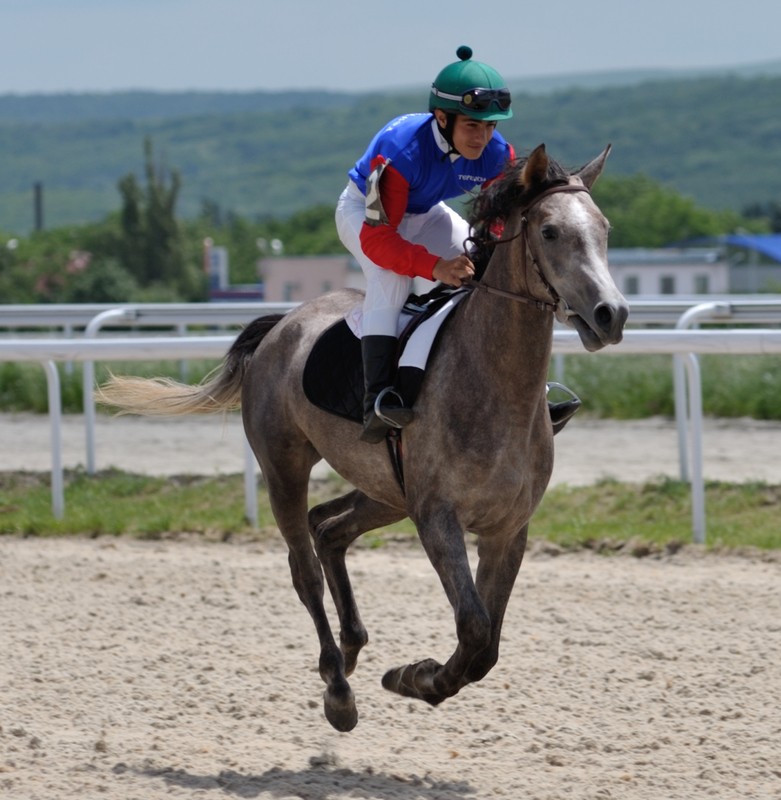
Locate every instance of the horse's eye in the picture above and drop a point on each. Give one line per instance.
(548, 232)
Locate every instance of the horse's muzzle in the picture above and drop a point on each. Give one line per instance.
(605, 327)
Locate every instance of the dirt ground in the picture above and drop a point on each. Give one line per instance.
(135, 670)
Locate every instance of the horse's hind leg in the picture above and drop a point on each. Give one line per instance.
(334, 526)
(287, 480)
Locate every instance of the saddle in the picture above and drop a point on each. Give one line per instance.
(333, 375)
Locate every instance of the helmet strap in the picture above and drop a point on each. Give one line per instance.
(447, 132)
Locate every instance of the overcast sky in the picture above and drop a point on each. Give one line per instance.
(106, 45)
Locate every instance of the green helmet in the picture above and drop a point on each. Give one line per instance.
(471, 88)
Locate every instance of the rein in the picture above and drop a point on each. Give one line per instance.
(526, 298)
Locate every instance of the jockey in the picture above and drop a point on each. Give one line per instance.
(393, 219)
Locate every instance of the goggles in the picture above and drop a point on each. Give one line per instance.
(478, 99)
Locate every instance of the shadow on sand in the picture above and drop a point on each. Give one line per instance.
(321, 781)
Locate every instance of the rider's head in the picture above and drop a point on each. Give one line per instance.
(470, 88)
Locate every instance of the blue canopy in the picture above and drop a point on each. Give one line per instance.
(769, 244)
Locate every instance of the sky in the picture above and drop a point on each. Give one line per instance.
(55, 46)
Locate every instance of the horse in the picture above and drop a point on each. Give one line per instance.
(478, 454)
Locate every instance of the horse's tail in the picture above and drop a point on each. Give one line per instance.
(219, 391)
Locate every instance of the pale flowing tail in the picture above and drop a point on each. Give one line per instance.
(219, 391)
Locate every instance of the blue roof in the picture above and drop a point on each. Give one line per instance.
(769, 244)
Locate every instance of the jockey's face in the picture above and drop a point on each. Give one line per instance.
(470, 136)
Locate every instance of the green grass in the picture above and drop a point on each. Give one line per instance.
(659, 514)
(608, 516)
(634, 387)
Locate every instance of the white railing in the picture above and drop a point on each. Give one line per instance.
(675, 342)
(645, 310)
(49, 351)
(683, 344)
(73, 316)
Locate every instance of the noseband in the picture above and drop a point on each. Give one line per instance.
(526, 297)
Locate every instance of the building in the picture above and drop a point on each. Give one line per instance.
(731, 264)
(673, 271)
(755, 262)
(293, 279)
(734, 264)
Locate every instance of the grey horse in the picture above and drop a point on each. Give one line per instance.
(479, 453)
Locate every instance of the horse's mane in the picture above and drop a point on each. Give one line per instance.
(490, 208)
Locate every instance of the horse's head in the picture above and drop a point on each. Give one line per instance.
(567, 240)
(562, 244)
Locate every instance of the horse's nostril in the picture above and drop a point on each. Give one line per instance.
(603, 315)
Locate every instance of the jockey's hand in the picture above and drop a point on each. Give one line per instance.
(454, 271)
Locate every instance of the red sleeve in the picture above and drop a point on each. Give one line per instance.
(383, 244)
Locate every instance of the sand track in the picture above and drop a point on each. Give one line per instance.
(141, 670)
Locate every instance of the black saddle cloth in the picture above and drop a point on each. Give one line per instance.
(333, 375)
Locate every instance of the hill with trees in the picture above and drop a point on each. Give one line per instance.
(711, 138)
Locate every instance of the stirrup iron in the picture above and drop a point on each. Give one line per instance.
(554, 385)
(389, 390)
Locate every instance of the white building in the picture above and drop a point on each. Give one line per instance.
(689, 271)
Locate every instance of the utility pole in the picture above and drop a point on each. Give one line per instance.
(38, 205)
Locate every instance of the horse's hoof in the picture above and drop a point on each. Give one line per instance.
(414, 680)
(339, 708)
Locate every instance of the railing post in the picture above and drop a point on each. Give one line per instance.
(692, 365)
(690, 319)
(55, 426)
(88, 378)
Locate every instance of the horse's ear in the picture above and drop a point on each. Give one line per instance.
(536, 168)
(591, 171)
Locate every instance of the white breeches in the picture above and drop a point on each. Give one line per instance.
(440, 230)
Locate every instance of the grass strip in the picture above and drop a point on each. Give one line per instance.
(606, 516)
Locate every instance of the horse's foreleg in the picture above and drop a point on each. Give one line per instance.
(499, 563)
(334, 526)
(443, 540)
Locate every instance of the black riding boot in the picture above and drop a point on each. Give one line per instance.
(383, 407)
(562, 412)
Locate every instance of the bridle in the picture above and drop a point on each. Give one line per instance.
(526, 297)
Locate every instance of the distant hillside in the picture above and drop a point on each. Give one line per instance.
(713, 137)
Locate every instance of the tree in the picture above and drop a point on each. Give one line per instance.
(644, 213)
(152, 247)
(765, 211)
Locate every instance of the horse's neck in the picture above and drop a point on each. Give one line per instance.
(513, 338)
(512, 328)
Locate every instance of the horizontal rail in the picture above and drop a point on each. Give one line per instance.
(135, 348)
(162, 314)
(643, 310)
(723, 341)
(161, 348)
